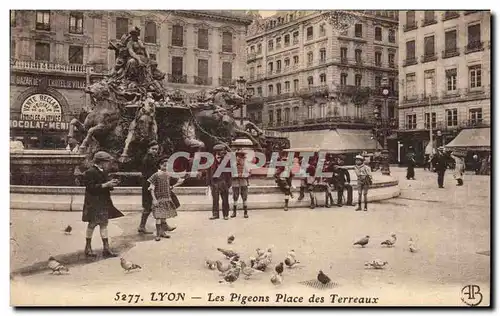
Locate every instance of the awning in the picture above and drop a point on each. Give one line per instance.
(472, 139)
(334, 141)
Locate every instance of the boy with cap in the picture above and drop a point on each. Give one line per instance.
(240, 184)
(364, 175)
(97, 206)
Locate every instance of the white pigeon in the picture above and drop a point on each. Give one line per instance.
(56, 266)
(390, 242)
(276, 279)
(411, 245)
(376, 264)
(290, 259)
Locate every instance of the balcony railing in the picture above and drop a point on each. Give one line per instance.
(410, 26)
(225, 82)
(450, 52)
(410, 61)
(474, 46)
(252, 56)
(448, 15)
(392, 65)
(203, 81)
(227, 48)
(338, 119)
(426, 22)
(429, 57)
(44, 66)
(344, 60)
(176, 78)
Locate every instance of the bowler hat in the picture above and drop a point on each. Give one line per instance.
(102, 156)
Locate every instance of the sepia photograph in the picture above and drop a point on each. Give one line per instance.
(250, 158)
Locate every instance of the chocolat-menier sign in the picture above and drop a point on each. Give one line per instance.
(40, 111)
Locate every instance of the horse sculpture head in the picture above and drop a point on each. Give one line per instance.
(226, 97)
(99, 90)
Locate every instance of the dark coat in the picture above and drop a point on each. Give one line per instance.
(225, 179)
(150, 165)
(440, 162)
(97, 206)
(340, 176)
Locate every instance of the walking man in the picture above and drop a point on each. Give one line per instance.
(97, 206)
(410, 172)
(219, 185)
(440, 163)
(240, 185)
(150, 166)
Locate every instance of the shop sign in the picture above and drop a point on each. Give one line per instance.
(60, 83)
(41, 107)
(30, 124)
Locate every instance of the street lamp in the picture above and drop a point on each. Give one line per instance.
(245, 92)
(383, 127)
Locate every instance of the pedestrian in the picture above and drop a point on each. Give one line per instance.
(410, 172)
(162, 204)
(329, 183)
(149, 166)
(476, 163)
(311, 181)
(240, 184)
(440, 163)
(342, 182)
(364, 180)
(219, 184)
(303, 183)
(459, 168)
(98, 207)
(284, 181)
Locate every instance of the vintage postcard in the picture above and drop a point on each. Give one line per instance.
(250, 158)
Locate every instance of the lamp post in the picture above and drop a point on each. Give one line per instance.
(245, 92)
(384, 128)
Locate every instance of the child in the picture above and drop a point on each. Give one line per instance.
(240, 184)
(163, 207)
(364, 180)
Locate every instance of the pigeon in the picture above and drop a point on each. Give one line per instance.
(411, 245)
(228, 253)
(230, 239)
(363, 241)
(279, 268)
(56, 266)
(222, 269)
(232, 275)
(129, 266)
(260, 253)
(390, 242)
(68, 230)
(323, 278)
(248, 271)
(290, 259)
(376, 264)
(276, 279)
(211, 264)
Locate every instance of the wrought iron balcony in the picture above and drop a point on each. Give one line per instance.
(176, 78)
(410, 61)
(448, 15)
(429, 57)
(225, 82)
(450, 52)
(410, 26)
(227, 48)
(45, 66)
(344, 60)
(474, 46)
(426, 22)
(392, 65)
(203, 81)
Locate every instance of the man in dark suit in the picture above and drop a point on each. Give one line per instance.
(219, 184)
(149, 167)
(342, 182)
(97, 206)
(440, 163)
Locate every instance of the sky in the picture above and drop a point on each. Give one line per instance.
(266, 13)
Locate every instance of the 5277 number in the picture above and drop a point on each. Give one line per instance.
(129, 298)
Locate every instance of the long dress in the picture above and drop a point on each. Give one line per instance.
(165, 208)
(459, 167)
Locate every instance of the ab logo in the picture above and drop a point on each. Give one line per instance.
(471, 295)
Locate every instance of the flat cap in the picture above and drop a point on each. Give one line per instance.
(219, 147)
(102, 156)
(359, 157)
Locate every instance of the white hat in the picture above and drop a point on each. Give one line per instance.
(359, 157)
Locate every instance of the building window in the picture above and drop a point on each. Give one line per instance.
(392, 36)
(475, 116)
(428, 119)
(203, 40)
(343, 79)
(452, 117)
(271, 116)
(357, 55)
(43, 20)
(287, 115)
(278, 43)
(150, 32)
(259, 91)
(259, 70)
(270, 45)
(12, 49)
(252, 48)
(392, 84)
(451, 79)
(358, 30)
(474, 37)
(76, 22)
(227, 42)
(322, 55)
(259, 48)
(378, 59)
(13, 21)
(378, 33)
(410, 18)
(295, 38)
(357, 80)
(203, 69)
(178, 35)
(270, 68)
(42, 51)
(411, 81)
(475, 76)
(310, 81)
(322, 110)
(310, 112)
(121, 27)
(322, 79)
(295, 60)
(287, 86)
(410, 50)
(411, 121)
(310, 58)
(429, 49)
(75, 55)
(430, 83)
(296, 85)
(270, 89)
(322, 31)
(343, 55)
(278, 88)
(296, 114)
(391, 60)
(287, 40)
(391, 110)
(309, 33)
(177, 66)
(378, 82)
(278, 66)
(450, 41)
(287, 62)
(227, 71)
